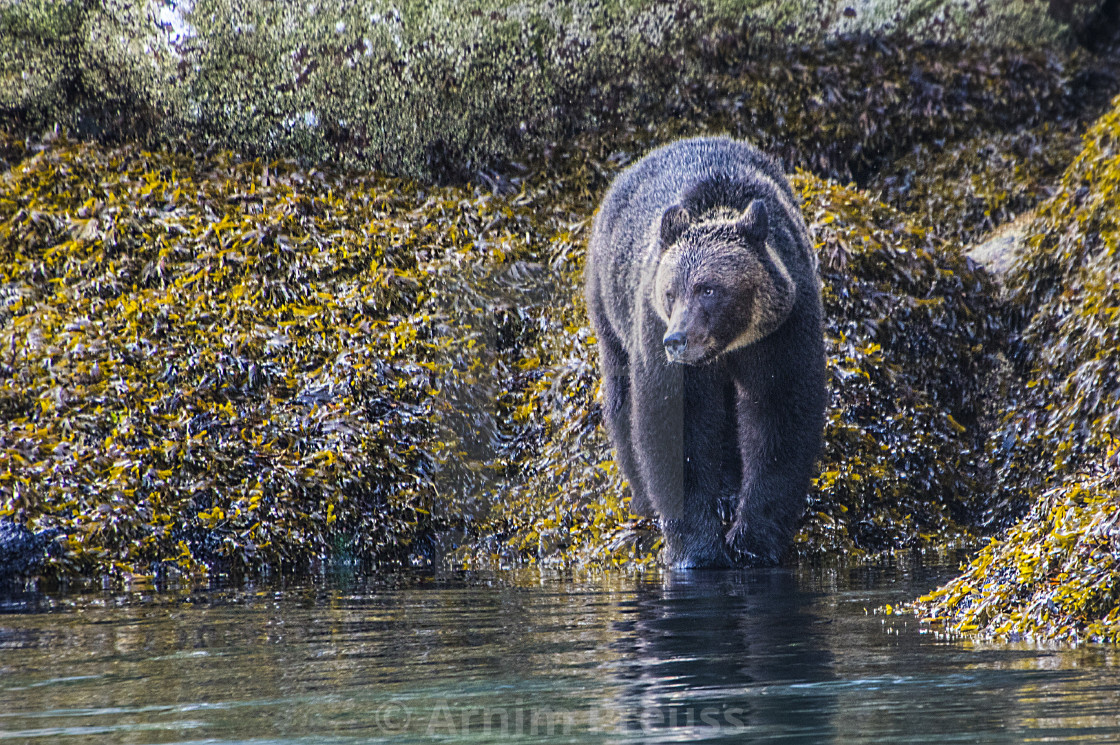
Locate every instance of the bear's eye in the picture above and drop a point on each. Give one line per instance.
(708, 291)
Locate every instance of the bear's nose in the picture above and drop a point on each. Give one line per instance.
(675, 343)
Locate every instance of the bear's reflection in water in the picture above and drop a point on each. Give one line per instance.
(725, 656)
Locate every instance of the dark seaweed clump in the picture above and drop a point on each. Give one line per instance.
(912, 333)
(964, 189)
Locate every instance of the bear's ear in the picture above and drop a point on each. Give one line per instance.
(673, 224)
(754, 225)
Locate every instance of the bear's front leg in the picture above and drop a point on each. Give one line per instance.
(688, 510)
(776, 468)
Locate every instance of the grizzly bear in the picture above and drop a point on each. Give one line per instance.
(702, 288)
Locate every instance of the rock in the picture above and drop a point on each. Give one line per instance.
(998, 251)
(21, 552)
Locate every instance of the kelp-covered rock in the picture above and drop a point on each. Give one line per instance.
(564, 501)
(812, 106)
(961, 190)
(1055, 574)
(245, 364)
(912, 337)
(909, 332)
(234, 364)
(1065, 291)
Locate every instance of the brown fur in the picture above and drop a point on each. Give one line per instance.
(754, 289)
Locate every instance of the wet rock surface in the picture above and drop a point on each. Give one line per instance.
(22, 553)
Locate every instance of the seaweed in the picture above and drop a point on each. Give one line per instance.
(1053, 576)
(216, 364)
(963, 190)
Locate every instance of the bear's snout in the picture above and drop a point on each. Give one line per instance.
(675, 345)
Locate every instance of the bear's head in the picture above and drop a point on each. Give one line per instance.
(720, 285)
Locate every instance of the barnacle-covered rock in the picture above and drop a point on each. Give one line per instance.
(1010, 21)
(452, 87)
(998, 250)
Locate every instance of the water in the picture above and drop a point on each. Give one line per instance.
(766, 656)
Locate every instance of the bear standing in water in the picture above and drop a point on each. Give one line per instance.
(702, 288)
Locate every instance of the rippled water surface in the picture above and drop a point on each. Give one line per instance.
(776, 656)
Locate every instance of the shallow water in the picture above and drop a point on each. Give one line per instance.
(777, 656)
